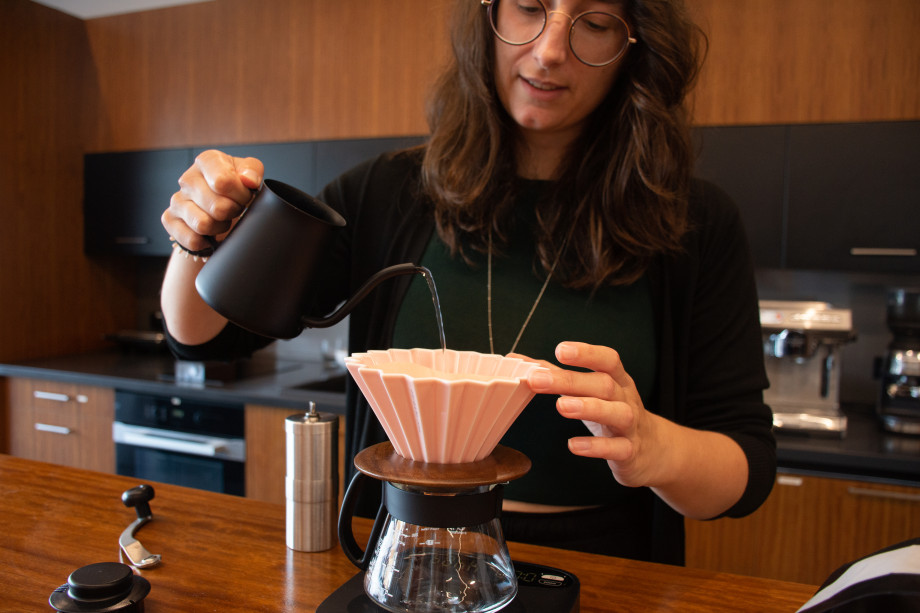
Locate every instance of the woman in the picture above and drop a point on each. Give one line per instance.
(553, 202)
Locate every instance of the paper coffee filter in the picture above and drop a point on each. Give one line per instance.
(443, 406)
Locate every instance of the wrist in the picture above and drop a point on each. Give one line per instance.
(195, 255)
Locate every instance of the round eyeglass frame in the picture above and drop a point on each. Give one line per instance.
(630, 39)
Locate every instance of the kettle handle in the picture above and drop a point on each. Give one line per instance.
(360, 558)
(362, 292)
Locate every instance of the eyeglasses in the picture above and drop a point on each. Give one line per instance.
(596, 38)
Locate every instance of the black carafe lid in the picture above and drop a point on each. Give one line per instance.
(101, 588)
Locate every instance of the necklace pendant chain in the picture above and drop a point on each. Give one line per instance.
(535, 303)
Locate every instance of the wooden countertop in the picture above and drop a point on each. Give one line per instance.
(226, 554)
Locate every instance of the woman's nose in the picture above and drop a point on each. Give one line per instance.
(552, 46)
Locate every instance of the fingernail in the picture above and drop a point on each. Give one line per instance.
(565, 351)
(251, 174)
(578, 444)
(570, 405)
(540, 379)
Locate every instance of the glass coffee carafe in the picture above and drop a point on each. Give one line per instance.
(437, 541)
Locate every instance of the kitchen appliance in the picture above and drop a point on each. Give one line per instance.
(179, 440)
(311, 482)
(899, 397)
(802, 346)
(256, 276)
(437, 543)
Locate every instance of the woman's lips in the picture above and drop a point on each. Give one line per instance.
(542, 89)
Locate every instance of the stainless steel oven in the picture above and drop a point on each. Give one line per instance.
(176, 440)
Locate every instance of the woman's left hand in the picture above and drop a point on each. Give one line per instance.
(607, 401)
(698, 472)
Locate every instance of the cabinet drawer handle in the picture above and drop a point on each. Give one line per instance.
(51, 396)
(53, 429)
(892, 251)
(904, 496)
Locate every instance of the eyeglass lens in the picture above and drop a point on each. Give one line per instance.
(596, 38)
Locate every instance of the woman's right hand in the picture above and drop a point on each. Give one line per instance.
(213, 192)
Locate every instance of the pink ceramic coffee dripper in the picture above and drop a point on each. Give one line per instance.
(443, 406)
(437, 543)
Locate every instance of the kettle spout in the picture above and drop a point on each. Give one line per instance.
(375, 280)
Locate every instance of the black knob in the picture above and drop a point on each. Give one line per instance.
(139, 497)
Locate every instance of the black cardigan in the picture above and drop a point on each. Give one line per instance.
(710, 358)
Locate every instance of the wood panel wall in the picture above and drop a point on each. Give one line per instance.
(800, 61)
(53, 300)
(222, 72)
(231, 71)
(281, 70)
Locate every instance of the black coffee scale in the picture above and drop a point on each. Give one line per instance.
(541, 589)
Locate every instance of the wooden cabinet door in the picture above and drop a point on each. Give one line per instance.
(19, 417)
(807, 528)
(62, 423)
(266, 452)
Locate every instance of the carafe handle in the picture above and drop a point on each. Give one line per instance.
(360, 558)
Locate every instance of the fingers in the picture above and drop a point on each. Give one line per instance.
(619, 449)
(593, 357)
(603, 418)
(213, 192)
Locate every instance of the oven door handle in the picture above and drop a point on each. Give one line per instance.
(153, 439)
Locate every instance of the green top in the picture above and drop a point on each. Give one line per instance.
(618, 317)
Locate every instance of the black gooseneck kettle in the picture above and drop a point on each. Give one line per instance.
(256, 278)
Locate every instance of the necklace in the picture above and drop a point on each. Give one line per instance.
(535, 302)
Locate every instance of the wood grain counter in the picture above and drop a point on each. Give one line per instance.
(227, 554)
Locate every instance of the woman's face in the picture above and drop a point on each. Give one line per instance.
(543, 86)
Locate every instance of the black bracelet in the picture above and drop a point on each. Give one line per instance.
(203, 254)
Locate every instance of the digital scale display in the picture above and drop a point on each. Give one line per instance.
(541, 576)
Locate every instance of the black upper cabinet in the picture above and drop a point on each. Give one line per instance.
(747, 162)
(333, 157)
(124, 195)
(818, 196)
(854, 190)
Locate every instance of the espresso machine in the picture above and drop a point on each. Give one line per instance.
(899, 397)
(802, 344)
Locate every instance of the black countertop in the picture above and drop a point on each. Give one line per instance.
(866, 452)
(262, 379)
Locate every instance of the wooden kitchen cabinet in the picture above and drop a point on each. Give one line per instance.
(807, 528)
(266, 449)
(62, 423)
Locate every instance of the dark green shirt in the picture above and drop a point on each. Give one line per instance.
(618, 317)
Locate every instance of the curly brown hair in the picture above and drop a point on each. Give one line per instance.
(624, 194)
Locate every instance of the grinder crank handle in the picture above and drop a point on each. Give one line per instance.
(138, 497)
